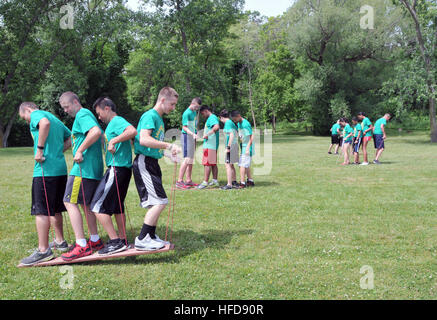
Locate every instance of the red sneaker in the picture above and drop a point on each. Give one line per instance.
(77, 252)
(191, 184)
(95, 246)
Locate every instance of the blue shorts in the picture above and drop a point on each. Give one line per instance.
(379, 141)
(357, 146)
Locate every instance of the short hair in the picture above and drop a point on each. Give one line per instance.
(167, 92)
(235, 114)
(388, 114)
(105, 102)
(198, 100)
(205, 107)
(355, 119)
(224, 113)
(70, 96)
(345, 120)
(27, 104)
(362, 114)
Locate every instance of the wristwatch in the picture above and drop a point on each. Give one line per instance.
(40, 148)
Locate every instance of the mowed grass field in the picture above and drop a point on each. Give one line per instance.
(304, 232)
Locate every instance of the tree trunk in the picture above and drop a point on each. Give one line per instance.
(184, 41)
(7, 132)
(250, 96)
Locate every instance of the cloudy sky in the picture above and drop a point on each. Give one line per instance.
(265, 7)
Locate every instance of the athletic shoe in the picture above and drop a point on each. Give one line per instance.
(95, 246)
(203, 185)
(357, 163)
(365, 164)
(77, 252)
(191, 184)
(250, 183)
(148, 244)
(214, 184)
(227, 187)
(63, 247)
(242, 186)
(38, 257)
(160, 240)
(182, 186)
(113, 246)
(329, 152)
(376, 162)
(235, 185)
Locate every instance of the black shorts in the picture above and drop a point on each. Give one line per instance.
(74, 191)
(106, 198)
(378, 139)
(54, 186)
(335, 139)
(148, 179)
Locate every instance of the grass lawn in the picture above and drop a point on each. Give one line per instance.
(304, 232)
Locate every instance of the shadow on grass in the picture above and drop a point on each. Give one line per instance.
(187, 242)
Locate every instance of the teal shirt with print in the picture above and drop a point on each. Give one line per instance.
(151, 120)
(123, 153)
(334, 129)
(92, 165)
(245, 131)
(54, 164)
(378, 125)
(366, 126)
(229, 128)
(189, 120)
(346, 131)
(357, 130)
(212, 143)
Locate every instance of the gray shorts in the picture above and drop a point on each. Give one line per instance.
(245, 161)
(188, 146)
(232, 157)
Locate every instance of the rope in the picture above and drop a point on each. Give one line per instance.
(48, 209)
(119, 200)
(172, 205)
(84, 201)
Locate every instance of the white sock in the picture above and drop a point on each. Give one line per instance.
(81, 242)
(94, 238)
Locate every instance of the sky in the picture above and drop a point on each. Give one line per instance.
(265, 7)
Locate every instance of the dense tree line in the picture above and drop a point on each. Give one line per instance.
(315, 63)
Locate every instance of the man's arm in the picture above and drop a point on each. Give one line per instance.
(43, 133)
(249, 145)
(92, 136)
(383, 131)
(67, 144)
(146, 140)
(212, 132)
(188, 131)
(128, 134)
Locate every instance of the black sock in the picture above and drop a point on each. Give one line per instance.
(147, 230)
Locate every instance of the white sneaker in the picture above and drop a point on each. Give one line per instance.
(166, 243)
(148, 244)
(365, 164)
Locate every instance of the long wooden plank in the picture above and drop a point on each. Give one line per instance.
(96, 257)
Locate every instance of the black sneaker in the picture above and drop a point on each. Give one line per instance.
(38, 257)
(242, 186)
(250, 183)
(63, 247)
(235, 185)
(227, 187)
(113, 246)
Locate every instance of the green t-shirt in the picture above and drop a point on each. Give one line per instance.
(229, 128)
(357, 130)
(189, 120)
(346, 131)
(334, 129)
(92, 165)
(378, 125)
(211, 143)
(151, 120)
(54, 165)
(245, 131)
(366, 125)
(123, 153)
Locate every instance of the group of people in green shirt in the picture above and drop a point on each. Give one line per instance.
(102, 195)
(362, 132)
(238, 135)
